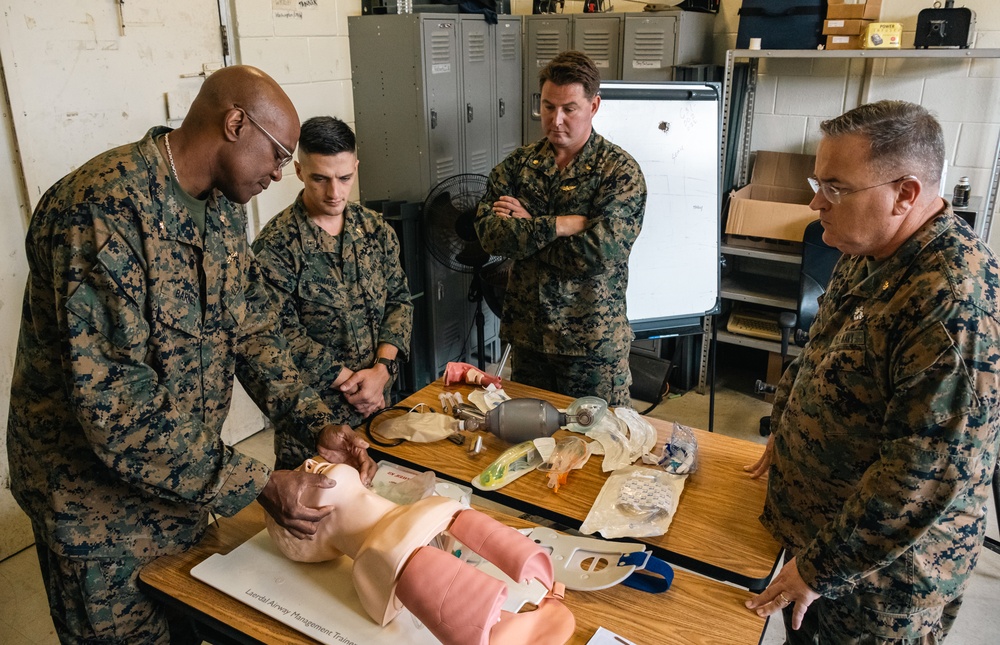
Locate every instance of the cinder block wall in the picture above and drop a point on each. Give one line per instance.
(795, 95)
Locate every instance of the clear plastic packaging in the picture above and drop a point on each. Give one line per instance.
(635, 502)
(680, 452)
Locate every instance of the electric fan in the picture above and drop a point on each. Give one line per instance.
(450, 237)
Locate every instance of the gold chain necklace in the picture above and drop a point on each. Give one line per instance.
(170, 157)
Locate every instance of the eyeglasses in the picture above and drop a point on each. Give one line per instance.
(286, 156)
(833, 194)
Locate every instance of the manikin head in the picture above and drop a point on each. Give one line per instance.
(393, 567)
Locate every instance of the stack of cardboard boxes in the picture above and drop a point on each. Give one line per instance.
(853, 24)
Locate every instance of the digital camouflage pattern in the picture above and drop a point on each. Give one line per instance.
(566, 296)
(340, 298)
(99, 600)
(574, 376)
(130, 331)
(886, 429)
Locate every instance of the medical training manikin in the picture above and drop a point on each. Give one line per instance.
(393, 567)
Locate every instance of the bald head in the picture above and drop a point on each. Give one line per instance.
(247, 87)
(237, 133)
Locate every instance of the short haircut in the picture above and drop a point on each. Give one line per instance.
(326, 135)
(904, 138)
(572, 67)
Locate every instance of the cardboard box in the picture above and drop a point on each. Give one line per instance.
(838, 10)
(883, 35)
(844, 42)
(845, 27)
(774, 204)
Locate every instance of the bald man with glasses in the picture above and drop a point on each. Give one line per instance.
(885, 428)
(143, 300)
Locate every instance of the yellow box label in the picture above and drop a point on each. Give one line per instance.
(883, 35)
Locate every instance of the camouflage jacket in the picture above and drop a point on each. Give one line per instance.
(566, 295)
(338, 301)
(130, 330)
(886, 425)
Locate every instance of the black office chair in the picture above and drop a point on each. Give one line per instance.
(818, 260)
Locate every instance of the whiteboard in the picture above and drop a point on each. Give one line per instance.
(673, 131)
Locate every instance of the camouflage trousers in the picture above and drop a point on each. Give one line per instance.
(851, 621)
(97, 601)
(575, 376)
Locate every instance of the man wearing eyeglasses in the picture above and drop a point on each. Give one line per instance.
(343, 297)
(142, 297)
(886, 426)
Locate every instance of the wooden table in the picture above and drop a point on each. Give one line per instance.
(695, 610)
(715, 531)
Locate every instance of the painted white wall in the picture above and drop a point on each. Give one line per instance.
(794, 96)
(15, 529)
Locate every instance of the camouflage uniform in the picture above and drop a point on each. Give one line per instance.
(886, 435)
(566, 296)
(131, 325)
(340, 298)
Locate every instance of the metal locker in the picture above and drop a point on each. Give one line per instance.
(443, 85)
(406, 107)
(655, 43)
(649, 48)
(477, 96)
(600, 37)
(545, 37)
(507, 104)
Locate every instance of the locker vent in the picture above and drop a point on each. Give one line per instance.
(547, 44)
(441, 48)
(597, 45)
(475, 48)
(444, 167)
(479, 162)
(649, 45)
(509, 46)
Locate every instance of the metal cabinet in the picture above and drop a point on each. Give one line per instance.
(435, 95)
(624, 46)
(655, 42)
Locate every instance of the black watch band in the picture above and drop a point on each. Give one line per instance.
(390, 365)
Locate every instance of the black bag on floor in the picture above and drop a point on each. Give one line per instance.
(781, 24)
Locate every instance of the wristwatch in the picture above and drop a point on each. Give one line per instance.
(390, 365)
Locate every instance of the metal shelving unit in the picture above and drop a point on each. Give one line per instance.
(735, 289)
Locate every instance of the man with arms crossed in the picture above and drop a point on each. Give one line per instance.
(567, 209)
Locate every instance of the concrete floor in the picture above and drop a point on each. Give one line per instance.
(24, 613)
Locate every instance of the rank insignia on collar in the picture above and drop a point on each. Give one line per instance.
(885, 286)
(534, 162)
(222, 218)
(859, 313)
(566, 189)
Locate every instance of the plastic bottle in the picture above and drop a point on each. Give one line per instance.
(960, 196)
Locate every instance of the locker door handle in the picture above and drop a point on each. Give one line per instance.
(536, 106)
(468, 112)
(503, 108)
(434, 119)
